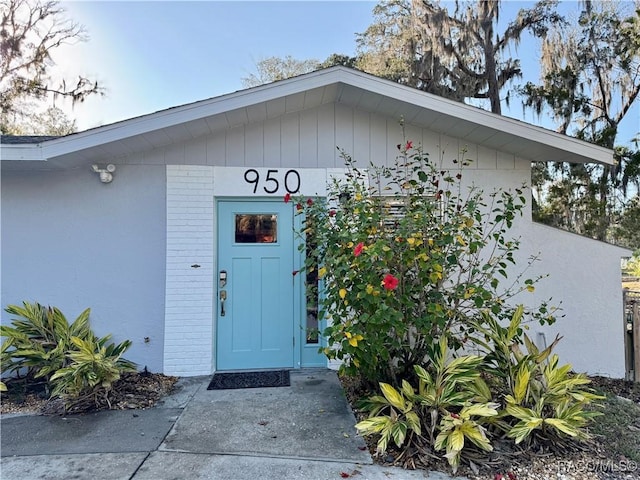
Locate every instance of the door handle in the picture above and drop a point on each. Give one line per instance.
(223, 297)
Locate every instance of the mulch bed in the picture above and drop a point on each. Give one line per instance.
(132, 391)
(521, 463)
(621, 388)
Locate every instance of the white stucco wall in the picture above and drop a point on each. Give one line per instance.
(584, 275)
(72, 242)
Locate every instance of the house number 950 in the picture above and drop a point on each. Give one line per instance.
(271, 184)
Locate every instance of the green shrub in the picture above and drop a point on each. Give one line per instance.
(449, 406)
(94, 367)
(533, 400)
(38, 342)
(76, 365)
(542, 401)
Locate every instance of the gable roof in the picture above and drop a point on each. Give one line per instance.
(332, 85)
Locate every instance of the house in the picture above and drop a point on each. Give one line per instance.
(172, 228)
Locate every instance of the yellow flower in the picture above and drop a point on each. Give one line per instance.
(531, 288)
(343, 293)
(369, 289)
(411, 241)
(353, 339)
(322, 272)
(358, 197)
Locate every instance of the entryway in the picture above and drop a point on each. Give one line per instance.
(255, 285)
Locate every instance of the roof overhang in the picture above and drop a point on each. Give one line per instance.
(333, 85)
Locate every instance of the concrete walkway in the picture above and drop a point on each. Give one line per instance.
(305, 431)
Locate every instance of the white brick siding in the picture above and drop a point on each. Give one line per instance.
(189, 306)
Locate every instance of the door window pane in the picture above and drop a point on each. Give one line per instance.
(312, 290)
(256, 228)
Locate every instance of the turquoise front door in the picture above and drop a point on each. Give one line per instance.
(255, 321)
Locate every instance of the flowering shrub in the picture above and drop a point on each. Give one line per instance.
(406, 258)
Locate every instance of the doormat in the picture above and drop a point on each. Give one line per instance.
(267, 378)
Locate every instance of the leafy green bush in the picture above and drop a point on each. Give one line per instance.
(409, 259)
(450, 405)
(37, 343)
(75, 364)
(532, 399)
(542, 401)
(94, 367)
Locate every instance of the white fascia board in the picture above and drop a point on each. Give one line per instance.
(587, 151)
(21, 152)
(185, 113)
(582, 151)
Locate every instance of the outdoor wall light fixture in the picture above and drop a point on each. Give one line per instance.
(106, 174)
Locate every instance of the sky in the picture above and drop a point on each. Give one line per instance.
(152, 55)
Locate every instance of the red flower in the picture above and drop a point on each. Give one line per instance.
(287, 197)
(309, 202)
(332, 213)
(390, 282)
(358, 249)
(409, 145)
(511, 475)
(299, 206)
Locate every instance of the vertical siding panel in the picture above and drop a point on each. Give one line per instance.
(195, 152)
(174, 154)
(135, 159)
(309, 138)
(235, 148)
(254, 145)
(290, 142)
(506, 161)
(378, 137)
(469, 151)
(361, 137)
(522, 164)
(154, 157)
(344, 130)
(412, 134)
(272, 138)
(450, 148)
(431, 146)
(394, 138)
(487, 158)
(216, 150)
(327, 151)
